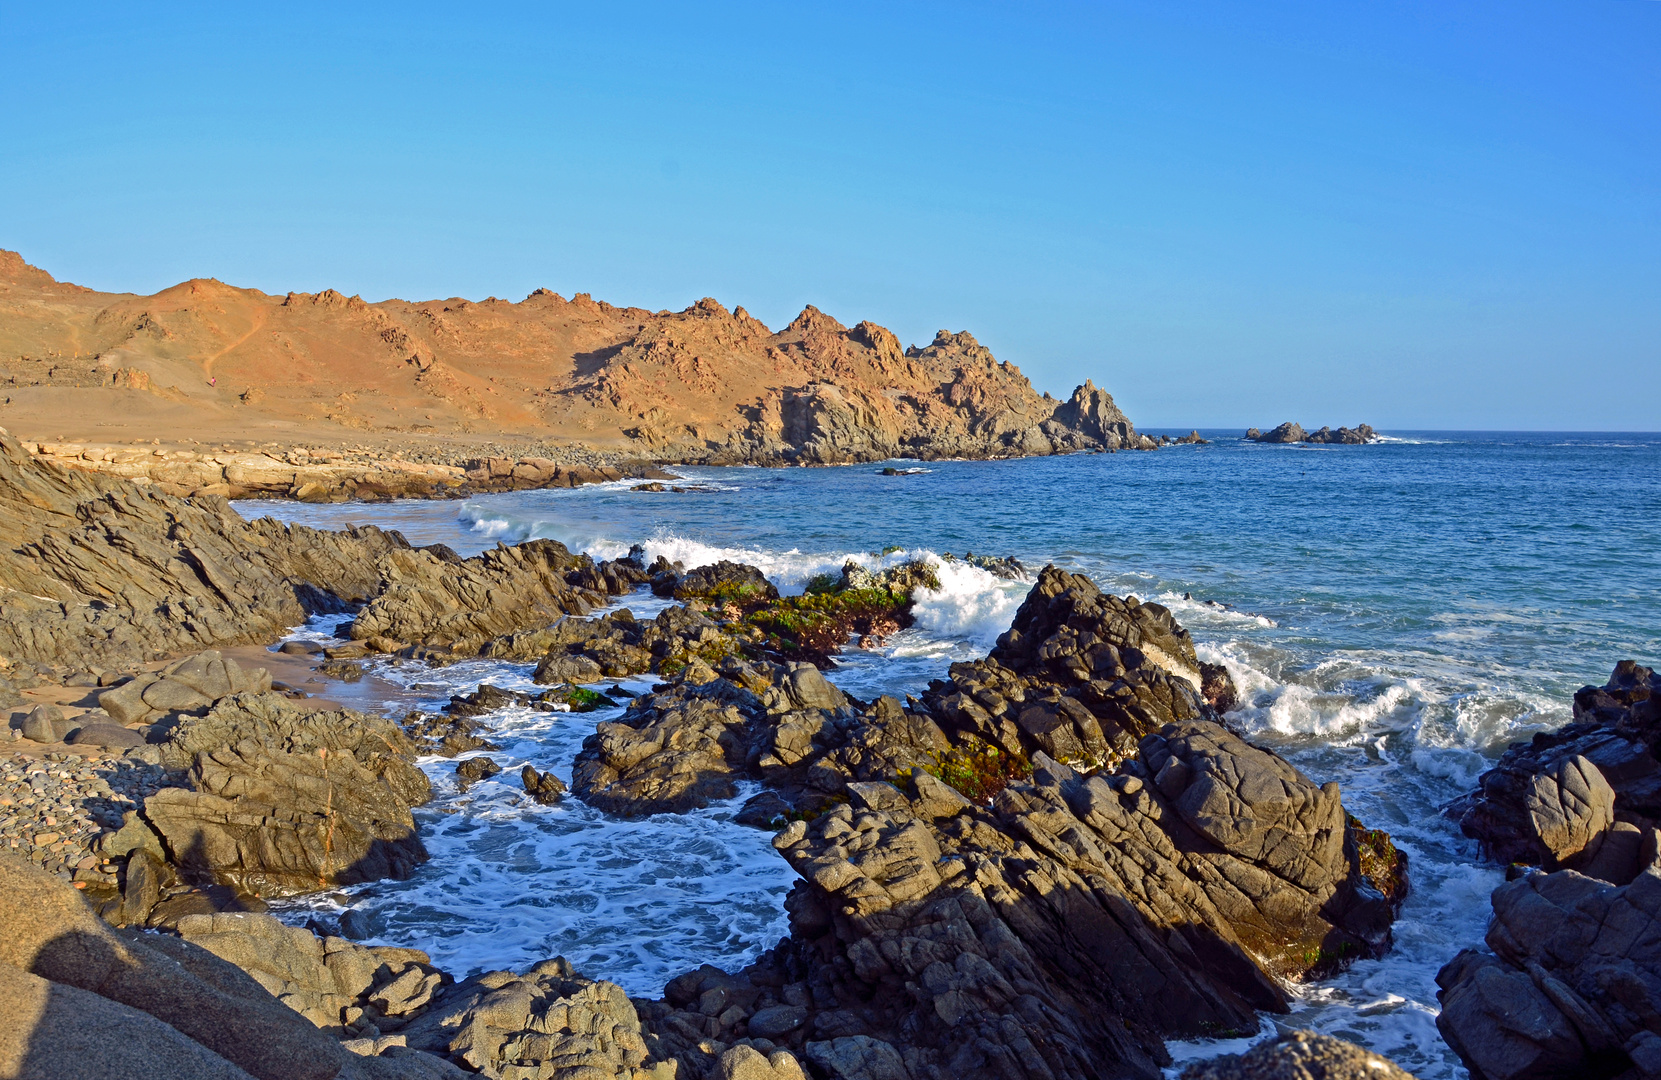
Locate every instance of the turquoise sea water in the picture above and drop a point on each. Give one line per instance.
(1395, 613)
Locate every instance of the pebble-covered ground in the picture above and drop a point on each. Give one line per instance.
(53, 809)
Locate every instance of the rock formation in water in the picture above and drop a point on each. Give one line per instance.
(1571, 985)
(438, 381)
(972, 906)
(1585, 797)
(1294, 433)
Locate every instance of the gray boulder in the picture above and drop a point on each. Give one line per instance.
(1580, 797)
(1572, 983)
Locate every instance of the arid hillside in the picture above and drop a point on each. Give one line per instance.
(208, 362)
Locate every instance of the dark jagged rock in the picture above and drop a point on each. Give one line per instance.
(1064, 931)
(956, 915)
(1008, 567)
(434, 599)
(1081, 675)
(618, 645)
(686, 746)
(1285, 433)
(1293, 433)
(1572, 987)
(723, 581)
(1584, 796)
(447, 734)
(545, 788)
(474, 769)
(1299, 1055)
(1361, 433)
(281, 800)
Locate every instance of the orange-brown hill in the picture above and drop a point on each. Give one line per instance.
(211, 362)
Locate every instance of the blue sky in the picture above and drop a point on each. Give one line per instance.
(1420, 215)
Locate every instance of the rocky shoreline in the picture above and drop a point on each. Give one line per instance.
(977, 865)
(1045, 865)
(333, 476)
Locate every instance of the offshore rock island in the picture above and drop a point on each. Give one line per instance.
(430, 397)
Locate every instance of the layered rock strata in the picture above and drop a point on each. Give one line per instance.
(95, 570)
(328, 477)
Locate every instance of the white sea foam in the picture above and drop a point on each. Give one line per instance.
(511, 882)
(971, 604)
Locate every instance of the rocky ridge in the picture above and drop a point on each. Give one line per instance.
(329, 476)
(441, 378)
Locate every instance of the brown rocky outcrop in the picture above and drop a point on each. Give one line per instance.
(601, 388)
(95, 570)
(85, 1002)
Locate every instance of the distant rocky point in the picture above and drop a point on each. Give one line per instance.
(1294, 433)
(574, 382)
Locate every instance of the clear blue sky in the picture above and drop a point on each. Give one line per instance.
(1417, 214)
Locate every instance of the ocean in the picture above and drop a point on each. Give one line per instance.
(1395, 614)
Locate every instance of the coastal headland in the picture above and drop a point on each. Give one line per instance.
(422, 397)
